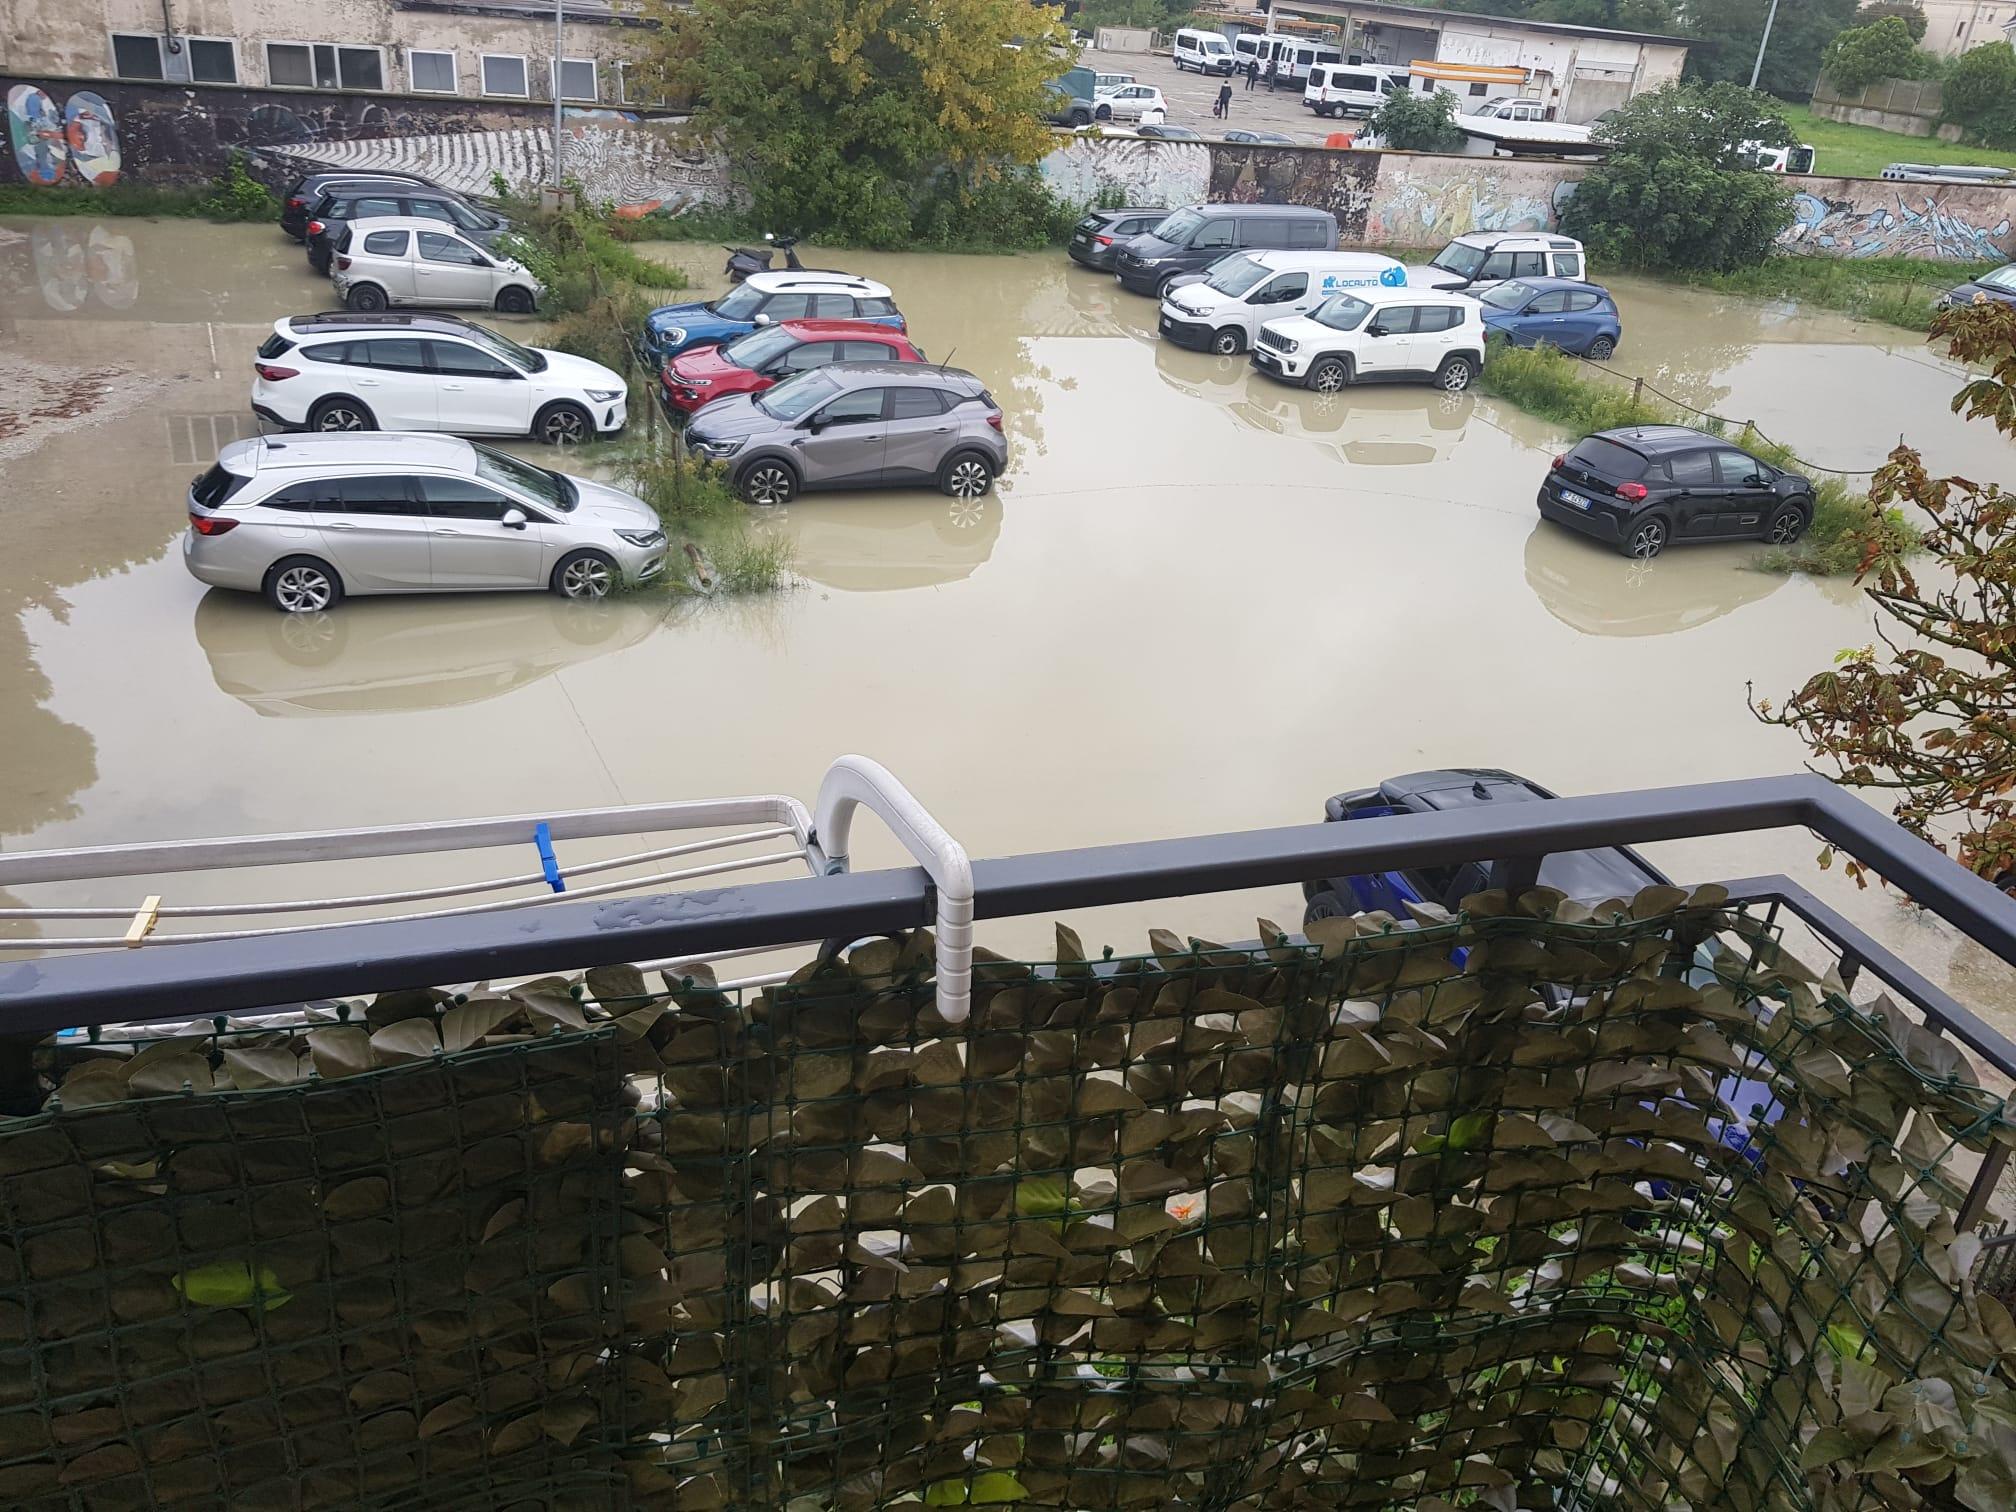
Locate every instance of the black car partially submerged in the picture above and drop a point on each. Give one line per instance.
(1645, 487)
(297, 206)
(1093, 238)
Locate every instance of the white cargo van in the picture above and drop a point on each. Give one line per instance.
(1206, 51)
(1225, 311)
(1293, 57)
(1336, 89)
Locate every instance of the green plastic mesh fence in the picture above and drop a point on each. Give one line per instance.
(1542, 1206)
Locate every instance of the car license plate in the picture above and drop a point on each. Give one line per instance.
(1568, 497)
(1260, 354)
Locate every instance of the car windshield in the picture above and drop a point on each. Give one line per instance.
(758, 347)
(739, 303)
(1509, 296)
(1180, 227)
(509, 472)
(1459, 259)
(794, 397)
(509, 350)
(2001, 278)
(1235, 275)
(1341, 312)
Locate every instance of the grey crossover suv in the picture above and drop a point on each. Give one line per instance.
(856, 425)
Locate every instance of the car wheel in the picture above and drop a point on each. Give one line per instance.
(1646, 539)
(966, 475)
(1601, 348)
(768, 482)
(1226, 341)
(1081, 117)
(514, 301)
(1455, 375)
(563, 425)
(366, 297)
(302, 585)
(1787, 524)
(1103, 113)
(1326, 905)
(584, 575)
(341, 415)
(1330, 375)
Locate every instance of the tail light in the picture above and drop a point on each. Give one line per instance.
(316, 228)
(211, 525)
(1104, 241)
(342, 263)
(1560, 462)
(1632, 492)
(994, 418)
(295, 202)
(274, 374)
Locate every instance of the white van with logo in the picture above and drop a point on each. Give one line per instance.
(1336, 89)
(1225, 311)
(1206, 51)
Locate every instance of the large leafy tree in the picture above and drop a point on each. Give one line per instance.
(1907, 11)
(1980, 93)
(854, 118)
(1729, 31)
(1883, 49)
(1929, 712)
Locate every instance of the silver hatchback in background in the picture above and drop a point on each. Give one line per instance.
(307, 520)
(856, 425)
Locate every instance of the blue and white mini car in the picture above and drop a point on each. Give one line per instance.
(1563, 312)
(764, 299)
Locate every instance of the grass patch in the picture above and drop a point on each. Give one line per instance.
(702, 516)
(751, 561)
(1846, 151)
(1896, 290)
(1557, 387)
(234, 195)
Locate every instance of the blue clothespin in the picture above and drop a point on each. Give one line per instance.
(548, 862)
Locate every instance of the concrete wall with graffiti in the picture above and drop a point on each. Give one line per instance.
(1418, 200)
(100, 133)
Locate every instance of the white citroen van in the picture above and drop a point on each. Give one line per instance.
(1206, 51)
(1336, 89)
(1224, 312)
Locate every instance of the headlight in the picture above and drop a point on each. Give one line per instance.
(603, 396)
(1286, 345)
(642, 537)
(707, 448)
(672, 335)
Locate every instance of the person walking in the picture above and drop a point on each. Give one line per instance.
(1223, 108)
(1271, 86)
(1252, 72)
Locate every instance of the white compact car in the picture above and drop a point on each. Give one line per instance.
(1380, 335)
(405, 260)
(1478, 259)
(355, 372)
(308, 520)
(1129, 102)
(1223, 312)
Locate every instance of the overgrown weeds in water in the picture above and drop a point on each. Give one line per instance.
(684, 491)
(1557, 387)
(752, 561)
(234, 195)
(580, 259)
(1896, 290)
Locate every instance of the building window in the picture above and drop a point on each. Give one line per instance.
(1477, 90)
(213, 60)
(431, 72)
(136, 56)
(633, 91)
(504, 74)
(322, 65)
(577, 79)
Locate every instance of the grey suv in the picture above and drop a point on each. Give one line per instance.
(857, 425)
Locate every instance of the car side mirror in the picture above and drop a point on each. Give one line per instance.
(762, 320)
(1377, 330)
(812, 423)
(514, 519)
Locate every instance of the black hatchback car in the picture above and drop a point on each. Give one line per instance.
(342, 205)
(1093, 238)
(306, 192)
(1642, 488)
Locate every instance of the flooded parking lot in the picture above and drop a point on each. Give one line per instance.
(1199, 600)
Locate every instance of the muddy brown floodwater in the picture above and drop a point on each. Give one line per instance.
(1199, 601)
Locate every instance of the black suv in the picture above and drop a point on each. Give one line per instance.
(483, 227)
(1640, 488)
(306, 192)
(1093, 239)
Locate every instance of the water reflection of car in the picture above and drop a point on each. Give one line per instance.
(1390, 428)
(1559, 312)
(392, 654)
(876, 545)
(1589, 589)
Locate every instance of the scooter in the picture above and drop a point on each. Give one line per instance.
(742, 261)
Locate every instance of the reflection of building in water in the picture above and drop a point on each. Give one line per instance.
(874, 544)
(375, 656)
(1599, 592)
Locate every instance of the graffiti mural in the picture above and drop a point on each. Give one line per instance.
(1428, 203)
(1340, 182)
(1149, 173)
(1970, 225)
(49, 140)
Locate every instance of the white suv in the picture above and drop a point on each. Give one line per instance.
(406, 260)
(1478, 259)
(349, 372)
(307, 520)
(1378, 334)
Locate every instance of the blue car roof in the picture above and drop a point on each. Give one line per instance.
(1561, 283)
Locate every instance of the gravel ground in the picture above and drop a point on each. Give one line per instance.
(1190, 96)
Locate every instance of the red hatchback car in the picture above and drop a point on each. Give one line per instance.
(752, 363)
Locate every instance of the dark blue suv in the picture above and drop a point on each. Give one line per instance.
(764, 299)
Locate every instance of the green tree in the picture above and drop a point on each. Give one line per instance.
(1729, 31)
(1675, 190)
(1906, 11)
(1418, 123)
(856, 119)
(1930, 714)
(1861, 55)
(1979, 93)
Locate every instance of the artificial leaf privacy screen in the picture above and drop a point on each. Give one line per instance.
(1543, 1206)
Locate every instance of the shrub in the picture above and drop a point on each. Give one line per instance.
(237, 196)
(1979, 94)
(1906, 11)
(1418, 123)
(1883, 49)
(685, 492)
